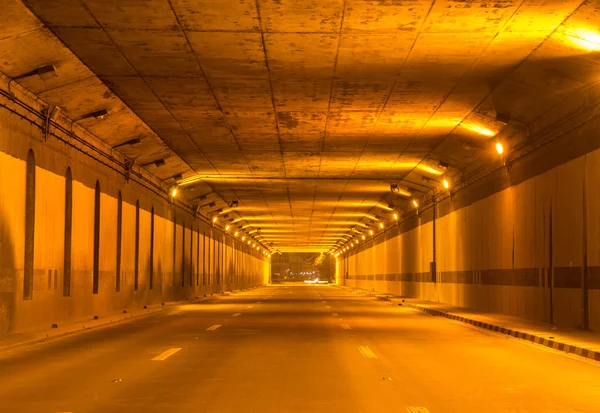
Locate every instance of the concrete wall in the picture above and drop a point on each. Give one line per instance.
(191, 257)
(526, 246)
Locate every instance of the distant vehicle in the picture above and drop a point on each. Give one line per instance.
(316, 281)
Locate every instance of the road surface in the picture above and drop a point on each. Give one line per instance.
(297, 348)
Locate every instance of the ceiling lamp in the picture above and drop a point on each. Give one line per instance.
(499, 148)
(129, 142)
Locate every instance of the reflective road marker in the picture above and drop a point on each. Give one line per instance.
(165, 354)
(212, 328)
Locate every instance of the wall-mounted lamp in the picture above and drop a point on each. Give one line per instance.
(99, 115)
(44, 72)
(157, 163)
(173, 190)
(446, 184)
(499, 148)
(129, 142)
(415, 203)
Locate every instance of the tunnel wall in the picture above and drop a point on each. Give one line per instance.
(190, 256)
(524, 241)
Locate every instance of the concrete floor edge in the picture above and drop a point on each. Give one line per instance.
(553, 344)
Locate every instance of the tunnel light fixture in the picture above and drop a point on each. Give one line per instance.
(415, 203)
(174, 191)
(157, 163)
(248, 242)
(236, 234)
(499, 148)
(371, 232)
(395, 216)
(363, 237)
(98, 115)
(44, 72)
(214, 220)
(175, 177)
(227, 228)
(381, 225)
(129, 142)
(446, 184)
(244, 238)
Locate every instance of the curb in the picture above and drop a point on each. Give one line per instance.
(553, 344)
(108, 321)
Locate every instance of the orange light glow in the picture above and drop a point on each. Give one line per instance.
(371, 231)
(381, 225)
(445, 183)
(478, 129)
(499, 148)
(395, 216)
(415, 203)
(585, 39)
(227, 228)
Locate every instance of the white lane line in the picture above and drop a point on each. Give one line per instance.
(166, 354)
(327, 306)
(335, 314)
(367, 352)
(417, 410)
(345, 326)
(237, 315)
(212, 328)
(250, 306)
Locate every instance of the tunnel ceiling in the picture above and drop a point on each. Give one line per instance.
(305, 111)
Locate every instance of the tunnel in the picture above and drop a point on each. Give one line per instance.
(299, 206)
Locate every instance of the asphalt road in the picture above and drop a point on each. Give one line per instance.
(293, 349)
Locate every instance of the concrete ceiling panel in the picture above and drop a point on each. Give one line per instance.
(97, 50)
(301, 56)
(30, 50)
(302, 95)
(475, 16)
(385, 15)
(62, 13)
(250, 142)
(135, 91)
(16, 19)
(369, 57)
(359, 96)
(301, 143)
(223, 54)
(301, 123)
(208, 15)
(252, 122)
(541, 15)
(245, 94)
(133, 14)
(308, 16)
(162, 53)
(183, 92)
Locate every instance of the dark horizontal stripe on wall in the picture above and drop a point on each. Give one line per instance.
(568, 277)
(564, 277)
(457, 277)
(594, 278)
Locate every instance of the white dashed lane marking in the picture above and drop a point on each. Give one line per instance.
(166, 354)
(212, 328)
(237, 314)
(367, 352)
(335, 314)
(345, 326)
